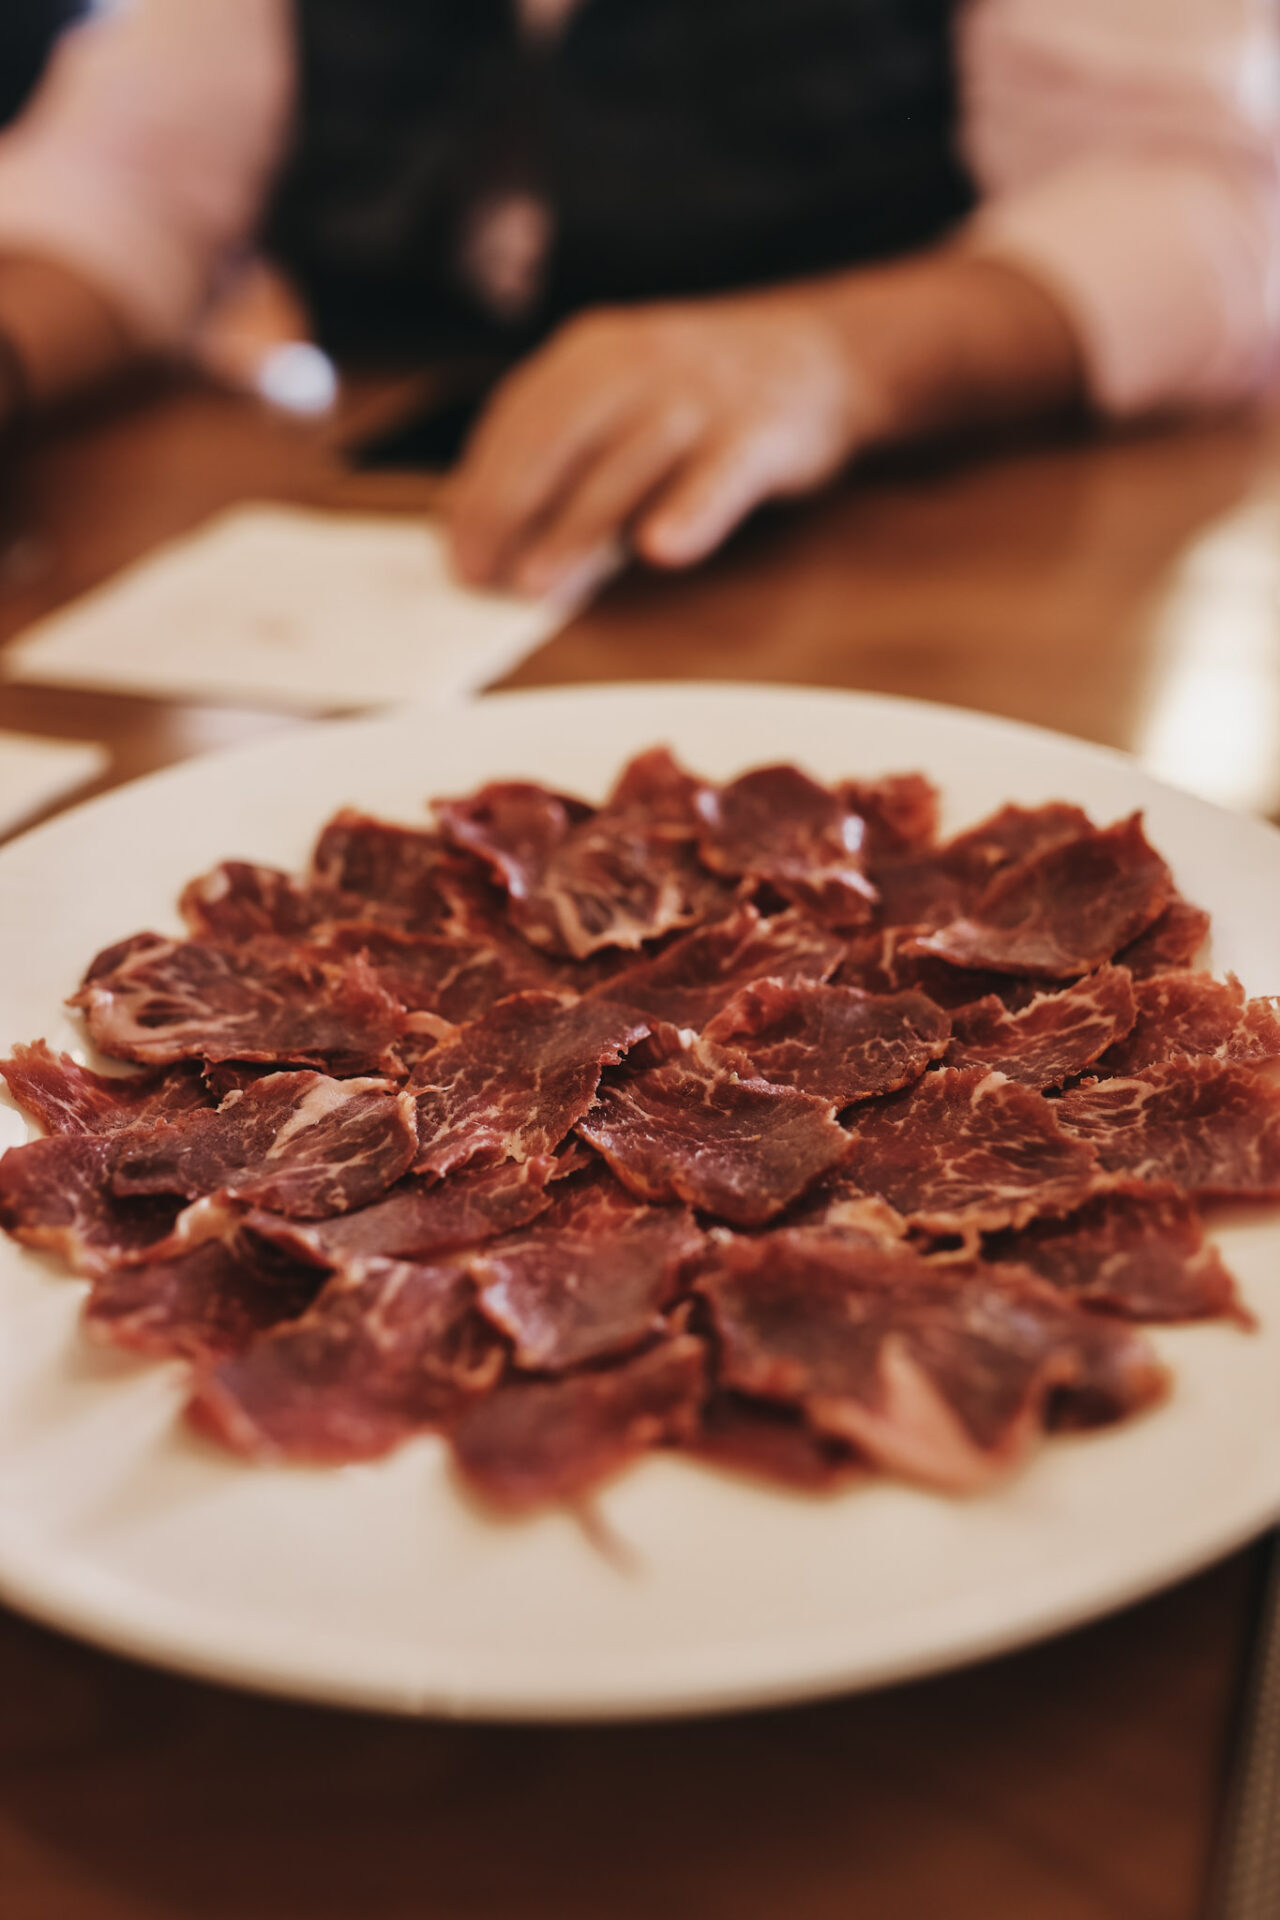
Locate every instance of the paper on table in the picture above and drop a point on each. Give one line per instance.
(289, 607)
(34, 773)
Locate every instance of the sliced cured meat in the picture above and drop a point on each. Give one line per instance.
(772, 1442)
(240, 901)
(899, 812)
(926, 887)
(405, 877)
(1053, 1038)
(1064, 910)
(964, 1151)
(588, 1281)
(1180, 1016)
(940, 1372)
(699, 973)
(534, 1441)
(300, 1144)
(836, 1042)
(513, 1083)
(169, 1000)
(688, 1127)
(68, 1098)
(419, 1220)
(1144, 1256)
(388, 1349)
(196, 1305)
(55, 1194)
(1207, 1126)
(886, 961)
(456, 979)
(580, 879)
(656, 785)
(778, 826)
(1173, 940)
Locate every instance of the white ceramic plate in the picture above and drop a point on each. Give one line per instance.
(380, 1585)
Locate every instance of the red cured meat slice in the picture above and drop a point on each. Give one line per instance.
(169, 1000)
(535, 1441)
(68, 1098)
(1184, 1015)
(55, 1194)
(1064, 910)
(835, 1042)
(942, 1372)
(513, 1083)
(688, 1127)
(699, 973)
(1208, 1126)
(885, 961)
(456, 979)
(963, 1151)
(587, 1282)
(419, 1220)
(240, 901)
(211, 1300)
(403, 877)
(388, 1349)
(925, 888)
(771, 1442)
(1053, 1038)
(1174, 940)
(1144, 1256)
(296, 1143)
(581, 879)
(899, 812)
(655, 784)
(777, 825)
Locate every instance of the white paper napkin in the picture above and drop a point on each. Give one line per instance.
(34, 773)
(289, 607)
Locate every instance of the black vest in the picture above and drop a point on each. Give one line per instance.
(682, 145)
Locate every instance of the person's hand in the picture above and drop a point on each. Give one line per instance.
(667, 424)
(664, 423)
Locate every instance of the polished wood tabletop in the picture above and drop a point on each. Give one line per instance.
(1126, 590)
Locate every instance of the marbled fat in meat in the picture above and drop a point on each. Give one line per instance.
(692, 979)
(1053, 1038)
(66, 1097)
(838, 1043)
(1208, 1126)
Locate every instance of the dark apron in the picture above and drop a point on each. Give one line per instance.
(682, 146)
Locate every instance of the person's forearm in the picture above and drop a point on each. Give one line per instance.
(947, 340)
(58, 335)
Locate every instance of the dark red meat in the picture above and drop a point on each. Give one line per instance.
(698, 974)
(168, 1000)
(589, 1280)
(1139, 1254)
(197, 1305)
(899, 812)
(687, 1127)
(403, 877)
(771, 1442)
(535, 1441)
(1064, 910)
(925, 887)
(295, 1143)
(1173, 940)
(1208, 1126)
(835, 1042)
(963, 1151)
(68, 1098)
(778, 826)
(1180, 1016)
(943, 1372)
(55, 1194)
(240, 901)
(1053, 1038)
(454, 979)
(388, 1349)
(514, 1082)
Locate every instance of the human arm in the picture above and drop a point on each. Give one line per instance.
(1123, 253)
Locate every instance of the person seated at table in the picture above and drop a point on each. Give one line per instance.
(730, 245)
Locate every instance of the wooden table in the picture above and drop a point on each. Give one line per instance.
(1124, 591)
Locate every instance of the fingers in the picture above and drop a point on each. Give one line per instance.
(605, 496)
(544, 423)
(705, 502)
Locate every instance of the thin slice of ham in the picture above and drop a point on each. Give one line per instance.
(778, 826)
(55, 1194)
(1184, 1016)
(1208, 1126)
(66, 1097)
(1053, 1038)
(686, 1125)
(944, 1373)
(536, 1441)
(300, 1144)
(692, 979)
(835, 1042)
(199, 1304)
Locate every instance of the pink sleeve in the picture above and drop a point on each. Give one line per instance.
(1128, 155)
(143, 157)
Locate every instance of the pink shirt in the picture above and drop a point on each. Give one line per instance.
(1127, 153)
